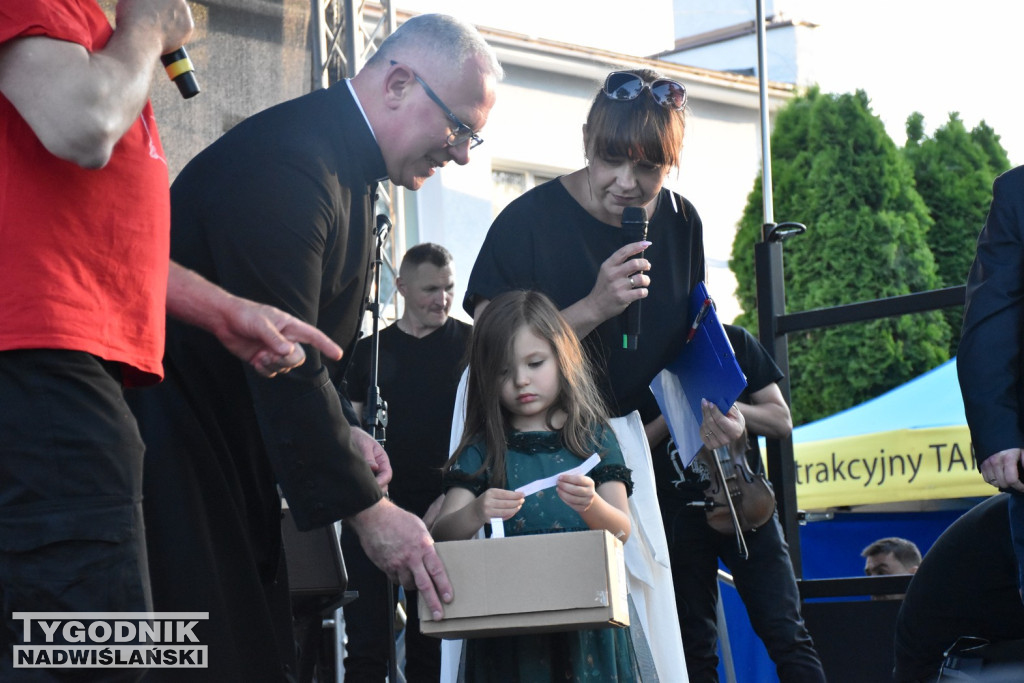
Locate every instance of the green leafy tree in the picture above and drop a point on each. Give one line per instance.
(836, 170)
(987, 139)
(953, 171)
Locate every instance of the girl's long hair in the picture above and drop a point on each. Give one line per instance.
(490, 356)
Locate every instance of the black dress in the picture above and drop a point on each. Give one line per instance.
(546, 241)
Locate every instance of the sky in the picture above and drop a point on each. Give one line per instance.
(932, 56)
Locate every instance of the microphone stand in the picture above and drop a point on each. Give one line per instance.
(376, 411)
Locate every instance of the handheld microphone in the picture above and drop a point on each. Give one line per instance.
(634, 229)
(180, 70)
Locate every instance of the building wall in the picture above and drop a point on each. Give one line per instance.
(740, 55)
(251, 54)
(720, 162)
(537, 125)
(693, 17)
(639, 27)
(248, 55)
(791, 48)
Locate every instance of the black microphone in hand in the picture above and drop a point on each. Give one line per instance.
(179, 67)
(634, 229)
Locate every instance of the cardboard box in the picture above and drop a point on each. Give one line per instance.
(531, 584)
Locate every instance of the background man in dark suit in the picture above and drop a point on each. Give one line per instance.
(989, 362)
(279, 210)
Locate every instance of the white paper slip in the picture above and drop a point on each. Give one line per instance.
(546, 483)
(498, 527)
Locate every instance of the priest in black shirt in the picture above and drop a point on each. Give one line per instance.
(279, 210)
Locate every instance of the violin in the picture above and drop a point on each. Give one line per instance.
(738, 500)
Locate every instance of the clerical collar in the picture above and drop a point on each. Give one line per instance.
(348, 82)
(355, 98)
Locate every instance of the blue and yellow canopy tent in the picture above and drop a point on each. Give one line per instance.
(909, 444)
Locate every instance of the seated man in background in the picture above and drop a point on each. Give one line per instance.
(891, 555)
(964, 594)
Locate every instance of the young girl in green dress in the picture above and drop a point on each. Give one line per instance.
(533, 411)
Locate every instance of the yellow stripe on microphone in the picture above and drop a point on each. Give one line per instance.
(179, 67)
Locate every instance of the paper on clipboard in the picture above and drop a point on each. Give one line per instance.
(705, 368)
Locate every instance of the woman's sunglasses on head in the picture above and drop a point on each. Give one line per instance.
(624, 86)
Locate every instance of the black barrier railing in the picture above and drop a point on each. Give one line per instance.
(893, 584)
(774, 324)
(872, 310)
(854, 635)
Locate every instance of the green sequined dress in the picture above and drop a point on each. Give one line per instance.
(598, 655)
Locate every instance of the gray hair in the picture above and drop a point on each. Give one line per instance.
(451, 40)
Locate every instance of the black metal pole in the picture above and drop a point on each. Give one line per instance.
(771, 303)
(376, 411)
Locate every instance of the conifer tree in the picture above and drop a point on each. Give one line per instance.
(836, 170)
(953, 171)
(989, 141)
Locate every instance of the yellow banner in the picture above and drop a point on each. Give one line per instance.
(887, 467)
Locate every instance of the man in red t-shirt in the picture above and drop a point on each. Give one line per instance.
(85, 284)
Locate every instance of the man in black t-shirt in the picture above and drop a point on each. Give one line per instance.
(765, 580)
(420, 362)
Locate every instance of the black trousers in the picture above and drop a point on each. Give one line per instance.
(71, 532)
(765, 582)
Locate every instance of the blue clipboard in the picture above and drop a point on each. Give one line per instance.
(705, 368)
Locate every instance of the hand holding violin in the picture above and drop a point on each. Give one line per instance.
(741, 500)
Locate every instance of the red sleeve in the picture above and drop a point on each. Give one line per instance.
(76, 21)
